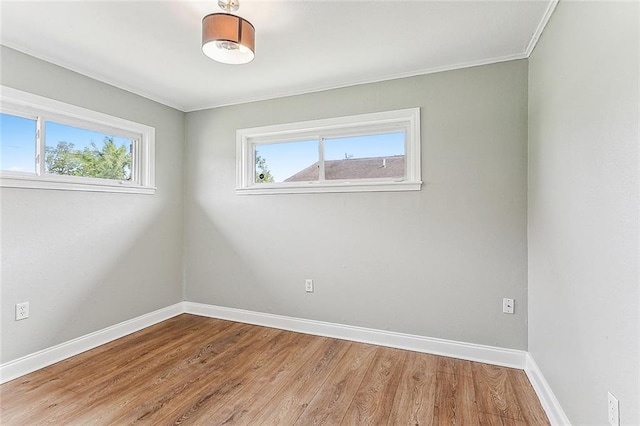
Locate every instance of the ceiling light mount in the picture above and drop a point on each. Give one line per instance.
(228, 38)
(229, 5)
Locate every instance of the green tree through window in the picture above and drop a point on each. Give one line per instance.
(110, 162)
(263, 175)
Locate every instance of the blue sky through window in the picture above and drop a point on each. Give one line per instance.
(80, 138)
(368, 146)
(17, 144)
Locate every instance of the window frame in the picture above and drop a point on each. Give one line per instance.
(354, 125)
(23, 104)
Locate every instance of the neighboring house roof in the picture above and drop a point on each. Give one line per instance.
(354, 168)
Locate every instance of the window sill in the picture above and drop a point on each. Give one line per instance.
(315, 187)
(62, 184)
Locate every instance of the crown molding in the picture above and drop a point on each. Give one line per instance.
(541, 26)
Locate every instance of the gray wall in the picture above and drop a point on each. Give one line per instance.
(435, 263)
(87, 260)
(583, 208)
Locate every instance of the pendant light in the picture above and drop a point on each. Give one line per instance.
(228, 38)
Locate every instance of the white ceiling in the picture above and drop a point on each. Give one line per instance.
(153, 47)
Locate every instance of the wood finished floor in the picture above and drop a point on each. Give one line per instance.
(196, 370)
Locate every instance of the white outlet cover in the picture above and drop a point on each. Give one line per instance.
(508, 305)
(614, 410)
(22, 311)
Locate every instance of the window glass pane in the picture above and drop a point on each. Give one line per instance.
(74, 151)
(17, 144)
(286, 162)
(365, 157)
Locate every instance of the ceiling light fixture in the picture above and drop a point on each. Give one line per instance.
(228, 38)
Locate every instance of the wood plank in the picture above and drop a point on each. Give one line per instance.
(130, 387)
(494, 393)
(372, 403)
(460, 367)
(253, 382)
(16, 413)
(455, 402)
(486, 419)
(525, 395)
(293, 396)
(414, 400)
(331, 402)
(126, 364)
(174, 393)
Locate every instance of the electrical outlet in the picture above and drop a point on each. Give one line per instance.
(308, 286)
(22, 311)
(614, 410)
(507, 305)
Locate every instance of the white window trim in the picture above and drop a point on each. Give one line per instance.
(13, 101)
(246, 139)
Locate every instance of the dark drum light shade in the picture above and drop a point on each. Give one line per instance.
(228, 38)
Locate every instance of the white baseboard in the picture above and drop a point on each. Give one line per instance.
(469, 351)
(549, 402)
(37, 360)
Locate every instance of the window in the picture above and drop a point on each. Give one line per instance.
(52, 145)
(368, 152)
